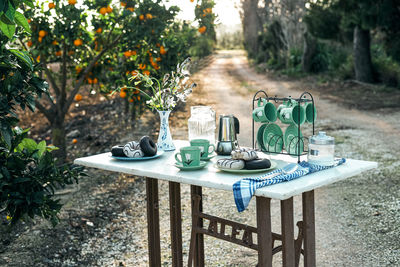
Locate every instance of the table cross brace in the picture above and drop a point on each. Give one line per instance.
(217, 227)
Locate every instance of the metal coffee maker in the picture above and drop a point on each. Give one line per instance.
(227, 139)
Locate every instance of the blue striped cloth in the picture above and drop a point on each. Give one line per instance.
(244, 189)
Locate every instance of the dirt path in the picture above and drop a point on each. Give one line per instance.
(347, 212)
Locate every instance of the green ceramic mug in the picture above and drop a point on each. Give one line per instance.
(190, 156)
(204, 146)
(309, 109)
(292, 113)
(265, 112)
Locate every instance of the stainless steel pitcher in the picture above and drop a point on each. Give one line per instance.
(227, 139)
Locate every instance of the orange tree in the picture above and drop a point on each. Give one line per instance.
(91, 42)
(207, 35)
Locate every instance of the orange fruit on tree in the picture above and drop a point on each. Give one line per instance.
(78, 42)
(90, 81)
(162, 50)
(122, 94)
(146, 72)
(131, 9)
(95, 81)
(123, 4)
(99, 30)
(72, 2)
(78, 97)
(149, 16)
(138, 97)
(42, 33)
(103, 10)
(29, 43)
(38, 58)
(158, 45)
(142, 66)
(127, 53)
(134, 73)
(192, 1)
(131, 100)
(202, 29)
(141, 17)
(74, 141)
(40, 39)
(52, 5)
(158, 59)
(133, 52)
(54, 42)
(78, 69)
(29, 20)
(58, 53)
(109, 9)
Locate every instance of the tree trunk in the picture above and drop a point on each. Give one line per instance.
(309, 50)
(362, 55)
(252, 25)
(58, 134)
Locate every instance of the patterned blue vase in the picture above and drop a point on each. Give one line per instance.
(164, 141)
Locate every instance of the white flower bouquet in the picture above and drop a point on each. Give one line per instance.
(174, 87)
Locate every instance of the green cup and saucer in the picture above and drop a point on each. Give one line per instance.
(206, 149)
(188, 159)
(292, 139)
(190, 168)
(273, 138)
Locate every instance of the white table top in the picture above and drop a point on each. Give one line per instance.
(163, 168)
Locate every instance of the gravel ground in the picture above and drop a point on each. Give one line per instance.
(104, 219)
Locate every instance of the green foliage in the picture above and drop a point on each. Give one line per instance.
(28, 172)
(18, 86)
(272, 49)
(29, 178)
(10, 17)
(203, 47)
(386, 69)
(322, 21)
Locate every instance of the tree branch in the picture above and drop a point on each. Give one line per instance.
(46, 112)
(50, 77)
(87, 70)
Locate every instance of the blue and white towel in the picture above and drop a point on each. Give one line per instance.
(244, 189)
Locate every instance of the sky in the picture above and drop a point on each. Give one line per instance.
(225, 9)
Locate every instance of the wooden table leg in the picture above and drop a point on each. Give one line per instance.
(309, 229)
(264, 234)
(287, 225)
(176, 223)
(153, 222)
(198, 256)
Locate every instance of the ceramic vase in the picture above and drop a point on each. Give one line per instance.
(164, 141)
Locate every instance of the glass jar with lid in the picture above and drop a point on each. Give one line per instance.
(321, 149)
(201, 123)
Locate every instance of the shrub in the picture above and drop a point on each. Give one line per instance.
(28, 171)
(386, 70)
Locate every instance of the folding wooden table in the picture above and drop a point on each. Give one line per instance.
(162, 169)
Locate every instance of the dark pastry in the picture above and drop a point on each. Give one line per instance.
(148, 147)
(257, 164)
(118, 151)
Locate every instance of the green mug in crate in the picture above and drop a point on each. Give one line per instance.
(265, 112)
(204, 146)
(189, 156)
(309, 109)
(292, 113)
